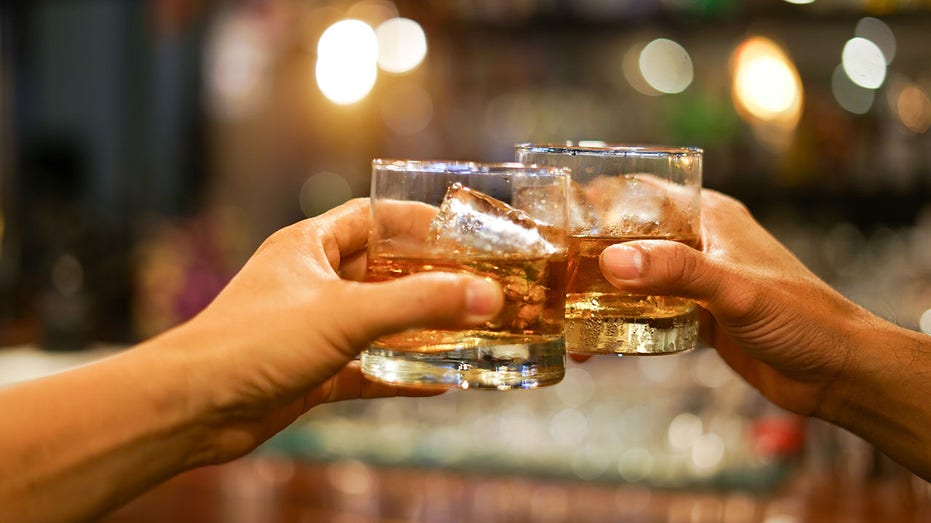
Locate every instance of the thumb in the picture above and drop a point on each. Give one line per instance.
(661, 267)
(420, 300)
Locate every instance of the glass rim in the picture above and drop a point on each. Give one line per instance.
(608, 149)
(468, 167)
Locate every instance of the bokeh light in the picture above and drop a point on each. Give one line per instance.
(569, 427)
(510, 116)
(925, 322)
(346, 61)
(635, 464)
(323, 191)
(402, 45)
(576, 388)
(666, 66)
(864, 62)
(67, 275)
(766, 84)
(236, 63)
(707, 453)
(850, 96)
(351, 477)
(800, 2)
(710, 370)
(683, 431)
(631, 67)
(876, 31)
(914, 109)
(406, 108)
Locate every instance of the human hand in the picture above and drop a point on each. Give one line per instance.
(282, 335)
(777, 324)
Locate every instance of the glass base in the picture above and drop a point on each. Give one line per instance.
(624, 336)
(499, 367)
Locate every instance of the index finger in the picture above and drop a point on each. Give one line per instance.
(347, 226)
(406, 224)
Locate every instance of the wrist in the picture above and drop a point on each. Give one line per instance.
(219, 422)
(178, 388)
(881, 393)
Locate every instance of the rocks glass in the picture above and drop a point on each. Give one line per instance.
(618, 194)
(505, 222)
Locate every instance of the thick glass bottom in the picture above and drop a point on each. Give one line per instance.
(498, 367)
(631, 336)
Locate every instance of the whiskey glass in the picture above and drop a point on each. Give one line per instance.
(506, 222)
(621, 193)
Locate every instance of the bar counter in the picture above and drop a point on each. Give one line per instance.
(822, 475)
(272, 489)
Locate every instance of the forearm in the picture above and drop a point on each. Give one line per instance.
(77, 444)
(884, 394)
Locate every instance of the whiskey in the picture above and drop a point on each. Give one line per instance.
(522, 347)
(602, 319)
(534, 300)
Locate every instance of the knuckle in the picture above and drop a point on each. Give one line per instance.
(743, 301)
(273, 240)
(722, 203)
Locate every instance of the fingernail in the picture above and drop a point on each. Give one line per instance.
(483, 298)
(623, 262)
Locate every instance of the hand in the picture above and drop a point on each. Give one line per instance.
(778, 325)
(282, 335)
(803, 345)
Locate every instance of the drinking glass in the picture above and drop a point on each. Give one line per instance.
(621, 193)
(505, 222)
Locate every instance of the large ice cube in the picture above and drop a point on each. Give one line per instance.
(633, 206)
(471, 222)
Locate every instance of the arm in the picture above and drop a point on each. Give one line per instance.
(801, 343)
(278, 340)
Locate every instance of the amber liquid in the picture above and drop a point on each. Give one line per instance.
(521, 348)
(534, 301)
(601, 319)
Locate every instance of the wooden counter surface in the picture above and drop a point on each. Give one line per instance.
(271, 490)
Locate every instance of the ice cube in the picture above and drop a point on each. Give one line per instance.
(583, 220)
(544, 203)
(471, 222)
(631, 206)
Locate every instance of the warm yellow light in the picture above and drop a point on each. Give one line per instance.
(346, 61)
(766, 85)
(402, 45)
(914, 109)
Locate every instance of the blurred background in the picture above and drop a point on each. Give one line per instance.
(148, 147)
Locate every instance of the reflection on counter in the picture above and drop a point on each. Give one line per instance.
(275, 490)
(669, 421)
